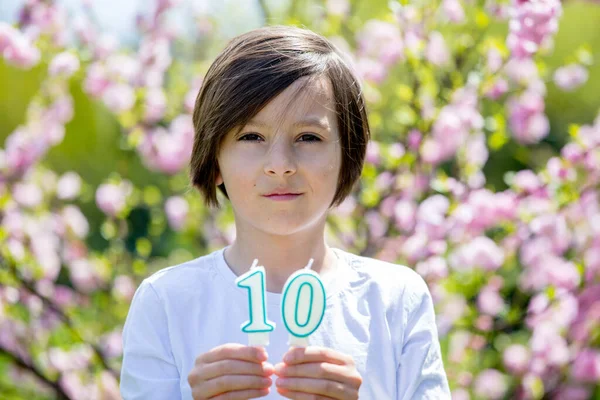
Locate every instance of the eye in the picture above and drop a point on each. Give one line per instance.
(307, 137)
(249, 137)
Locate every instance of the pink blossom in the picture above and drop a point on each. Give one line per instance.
(527, 120)
(75, 221)
(155, 52)
(516, 358)
(380, 41)
(371, 70)
(123, 68)
(373, 153)
(404, 213)
(83, 275)
(497, 89)
(123, 287)
(437, 51)
(531, 25)
(459, 341)
(494, 59)
(490, 302)
(572, 152)
(549, 347)
(22, 150)
(155, 105)
(586, 367)
(112, 198)
(560, 171)
(454, 11)
(169, 151)
(527, 181)
(554, 227)
(415, 247)
(16, 48)
(414, 139)
(96, 80)
(460, 394)
(588, 315)
(64, 64)
(522, 71)
(69, 186)
(570, 77)
(572, 392)
(119, 97)
(27, 194)
(591, 260)
(176, 208)
(433, 268)
(490, 384)
(481, 252)
(112, 344)
(107, 387)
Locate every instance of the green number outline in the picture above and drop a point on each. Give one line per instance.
(264, 308)
(314, 278)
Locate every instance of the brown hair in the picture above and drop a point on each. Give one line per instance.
(252, 70)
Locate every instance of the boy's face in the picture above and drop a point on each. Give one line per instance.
(275, 152)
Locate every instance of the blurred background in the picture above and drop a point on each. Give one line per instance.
(482, 175)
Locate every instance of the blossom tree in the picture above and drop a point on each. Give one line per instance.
(513, 263)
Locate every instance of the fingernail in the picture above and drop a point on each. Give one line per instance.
(268, 368)
(278, 368)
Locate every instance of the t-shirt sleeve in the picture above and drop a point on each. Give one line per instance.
(420, 373)
(148, 370)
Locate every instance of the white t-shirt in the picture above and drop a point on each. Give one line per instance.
(379, 313)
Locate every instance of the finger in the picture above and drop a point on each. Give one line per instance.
(322, 387)
(231, 383)
(299, 355)
(234, 351)
(301, 396)
(321, 370)
(234, 367)
(242, 394)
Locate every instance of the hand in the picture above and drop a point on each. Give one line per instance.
(231, 371)
(317, 373)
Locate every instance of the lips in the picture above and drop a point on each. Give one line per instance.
(283, 192)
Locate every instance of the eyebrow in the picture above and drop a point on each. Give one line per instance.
(310, 121)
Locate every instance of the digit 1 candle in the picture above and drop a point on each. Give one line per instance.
(258, 327)
(303, 305)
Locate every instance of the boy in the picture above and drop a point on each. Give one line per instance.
(281, 129)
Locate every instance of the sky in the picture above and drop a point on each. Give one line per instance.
(118, 16)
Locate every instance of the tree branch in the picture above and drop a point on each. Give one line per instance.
(34, 370)
(64, 318)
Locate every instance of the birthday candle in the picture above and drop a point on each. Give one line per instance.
(258, 327)
(303, 305)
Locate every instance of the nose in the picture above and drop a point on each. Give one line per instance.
(280, 159)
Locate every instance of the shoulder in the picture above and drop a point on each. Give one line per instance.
(386, 275)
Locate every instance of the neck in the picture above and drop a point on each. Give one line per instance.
(280, 255)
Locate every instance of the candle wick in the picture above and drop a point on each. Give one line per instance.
(310, 263)
(254, 264)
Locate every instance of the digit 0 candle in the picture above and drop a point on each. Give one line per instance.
(258, 327)
(303, 305)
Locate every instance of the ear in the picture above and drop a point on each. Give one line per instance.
(218, 179)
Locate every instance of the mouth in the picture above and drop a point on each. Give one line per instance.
(283, 196)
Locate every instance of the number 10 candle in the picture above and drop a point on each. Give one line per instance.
(302, 308)
(258, 327)
(303, 305)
